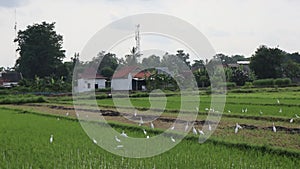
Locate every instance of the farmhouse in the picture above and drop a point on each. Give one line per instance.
(9, 78)
(129, 78)
(90, 80)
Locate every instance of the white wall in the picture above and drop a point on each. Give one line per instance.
(83, 84)
(122, 84)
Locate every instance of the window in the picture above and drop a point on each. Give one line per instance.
(89, 85)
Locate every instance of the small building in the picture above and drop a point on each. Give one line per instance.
(10, 78)
(90, 80)
(129, 78)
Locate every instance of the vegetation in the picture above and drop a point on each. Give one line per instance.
(41, 51)
(25, 143)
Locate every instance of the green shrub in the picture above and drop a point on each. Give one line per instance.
(283, 82)
(263, 82)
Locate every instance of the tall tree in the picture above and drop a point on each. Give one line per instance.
(41, 53)
(132, 58)
(267, 62)
(184, 57)
(151, 61)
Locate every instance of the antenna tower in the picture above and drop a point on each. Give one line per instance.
(138, 39)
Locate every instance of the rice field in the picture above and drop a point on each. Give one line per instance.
(24, 143)
(25, 130)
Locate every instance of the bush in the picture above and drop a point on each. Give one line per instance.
(283, 82)
(227, 84)
(263, 82)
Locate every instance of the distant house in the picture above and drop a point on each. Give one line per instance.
(129, 78)
(89, 80)
(10, 78)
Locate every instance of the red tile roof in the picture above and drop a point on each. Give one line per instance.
(90, 73)
(123, 72)
(142, 74)
(134, 70)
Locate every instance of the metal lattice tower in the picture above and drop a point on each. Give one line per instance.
(15, 28)
(138, 39)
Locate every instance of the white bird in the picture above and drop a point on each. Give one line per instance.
(260, 112)
(229, 111)
(51, 139)
(200, 132)
(292, 120)
(242, 110)
(58, 119)
(117, 139)
(172, 139)
(194, 131)
(67, 114)
(123, 134)
(186, 126)
(148, 137)
(278, 102)
(246, 110)
(119, 146)
(280, 110)
(151, 125)
(206, 109)
(274, 128)
(237, 127)
(197, 109)
(209, 127)
(141, 121)
(297, 116)
(94, 141)
(145, 132)
(173, 127)
(135, 113)
(236, 130)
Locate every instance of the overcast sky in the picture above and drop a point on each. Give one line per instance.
(232, 26)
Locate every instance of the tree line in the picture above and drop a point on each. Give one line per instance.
(42, 66)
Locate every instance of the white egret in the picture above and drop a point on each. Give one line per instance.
(297, 116)
(246, 110)
(173, 127)
(237, 127)
(119, 146)
(243, 111)
(229, 111)
(135, 113)
(117, 139)
(194, 131)
(280, 110)
(123, 134)
(206, 109)
(260, 112)
(58, 119)
(274, 128)
(209, 127)
(200, 132)
(172, 139)
(292, 120)
(94, 141)
(151, 125)
(67, 114)
(186, 126)
(148, 137)
(145, 132)
(51, 138)
(141, 121)
(278, 102)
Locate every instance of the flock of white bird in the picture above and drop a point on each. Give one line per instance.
(194, 130)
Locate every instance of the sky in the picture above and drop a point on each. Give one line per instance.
(231, 26)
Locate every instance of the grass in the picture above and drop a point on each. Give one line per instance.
(24, 143)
